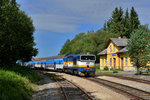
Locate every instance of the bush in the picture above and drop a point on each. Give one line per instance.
(13, 86)
(119, 69)
(106, 68)
(15, 83)
(115, 71)
(25, 72)
(97, 67)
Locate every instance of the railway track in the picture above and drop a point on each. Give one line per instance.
(131, 79)
(72, 91)
(133, 93)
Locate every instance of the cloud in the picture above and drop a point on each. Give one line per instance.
(55, 23)
(69, 15)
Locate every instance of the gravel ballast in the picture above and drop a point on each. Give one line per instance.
(97, 91)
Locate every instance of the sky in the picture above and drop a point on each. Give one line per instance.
(56, 21)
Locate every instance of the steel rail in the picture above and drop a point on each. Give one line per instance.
(86, 95)
(62, 89)
(129, 78)
(84, 92)
(130, 91)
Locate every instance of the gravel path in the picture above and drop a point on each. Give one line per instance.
(97, 91)
(47, 90)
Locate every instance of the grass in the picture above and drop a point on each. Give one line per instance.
(15, 83)
(104, 72)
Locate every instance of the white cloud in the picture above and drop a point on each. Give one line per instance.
(68, 15)
(55, 23)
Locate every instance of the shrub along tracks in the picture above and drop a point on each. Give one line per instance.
(126, 90)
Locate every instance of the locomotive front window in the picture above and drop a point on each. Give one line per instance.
(87, 57)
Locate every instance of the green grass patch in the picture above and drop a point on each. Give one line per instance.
(15, 83)
(104, 72)
(97, 68)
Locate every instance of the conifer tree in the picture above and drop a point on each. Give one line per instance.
(121, 24)
(115, 23)
(105, 26)
(134, 20)
(126, 24)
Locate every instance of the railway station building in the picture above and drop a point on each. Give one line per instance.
(114, 55)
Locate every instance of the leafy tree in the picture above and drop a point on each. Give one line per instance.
(16, 34)
(66, 48)
(138, 48)
(92, 42)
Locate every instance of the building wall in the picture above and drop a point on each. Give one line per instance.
(114, 60)
(127, 65)
(112, 57)
(103, 60)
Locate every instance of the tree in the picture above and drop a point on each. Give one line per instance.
(138, 48)
(91, 42)
(66, 48)
(16, 34)
(105, 27)
(126, 25)
(115, 24)
(121, 24)
(133, 20)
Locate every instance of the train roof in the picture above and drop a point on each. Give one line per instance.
(79, 54)
(53, 57)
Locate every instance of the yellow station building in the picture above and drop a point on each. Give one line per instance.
(114, 55)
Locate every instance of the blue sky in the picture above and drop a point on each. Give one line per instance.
(56, 21)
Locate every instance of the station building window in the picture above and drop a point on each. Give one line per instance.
(110, 49)
(126, 61)
(110, 61)
(105, 62)
(114, 47)
(102, 62)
